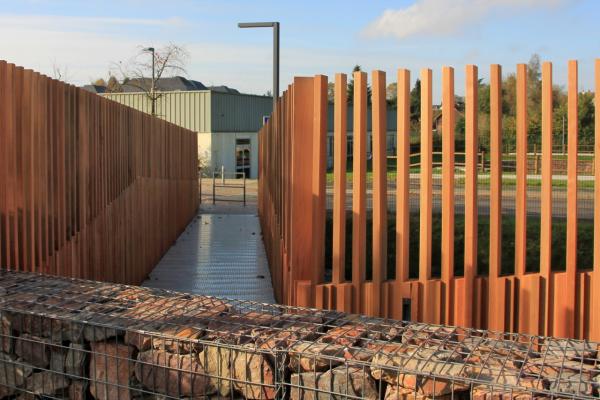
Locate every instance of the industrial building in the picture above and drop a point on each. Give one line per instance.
(227, 122)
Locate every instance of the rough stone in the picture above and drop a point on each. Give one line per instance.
(55, 329)
(395, 392)
(312, 356)
(76, 359)
(346, 335)
(218, 362)
(33, 349)
(110, 363)
(57, 358)
(343, 382)
(408, 370)
(255, 377)
(172, 374)
(573, 349)
(490, 393)
(78, 390)
(505, 377)
(6, 338)
(13, 373)
(170, 338)
(47, 383)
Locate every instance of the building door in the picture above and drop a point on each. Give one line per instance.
(242, 156)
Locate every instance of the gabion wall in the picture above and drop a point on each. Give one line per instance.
(63, 338)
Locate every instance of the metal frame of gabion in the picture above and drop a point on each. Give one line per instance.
(69, 338)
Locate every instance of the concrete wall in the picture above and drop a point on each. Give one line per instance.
(223, 150)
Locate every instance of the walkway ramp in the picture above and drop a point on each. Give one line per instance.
(217, 255)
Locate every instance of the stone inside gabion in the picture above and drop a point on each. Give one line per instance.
(63, 338)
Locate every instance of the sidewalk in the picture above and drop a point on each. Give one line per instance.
(220, 253)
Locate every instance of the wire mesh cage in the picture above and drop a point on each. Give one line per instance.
(66, 338)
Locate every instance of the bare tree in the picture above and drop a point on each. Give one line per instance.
(60, 73)
(149, 65)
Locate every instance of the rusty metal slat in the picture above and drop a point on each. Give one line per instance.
(471, 209)
(339, 179)
(448, 126)
(595, 316)
(425, 218)
(319, 169)
(566, 326)
(546, 196)
(497, 300)
(379, 131)
(403, 177)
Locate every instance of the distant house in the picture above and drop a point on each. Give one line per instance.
(98, 89)
(226, 120)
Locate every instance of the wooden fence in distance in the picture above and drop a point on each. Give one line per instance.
(292, 210)
(89, 188)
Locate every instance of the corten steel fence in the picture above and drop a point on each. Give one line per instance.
(69, 338)
(88, 187)
(292, 206)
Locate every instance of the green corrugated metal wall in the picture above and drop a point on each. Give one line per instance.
(191, 110)
(239, 112)
(204, 111)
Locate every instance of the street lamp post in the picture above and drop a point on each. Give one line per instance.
(152, 87)
(275, 26)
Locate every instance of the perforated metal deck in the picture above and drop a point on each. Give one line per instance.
(219, 255)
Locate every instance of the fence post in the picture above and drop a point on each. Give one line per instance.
(546, 195)
(339, 180)
(595, 316)
(379, 132)
(301, 204)
(359, 186)
(471, 209)
(448, 161)
(319, 167)
(426, 178)
(497, 290)
(565, 326)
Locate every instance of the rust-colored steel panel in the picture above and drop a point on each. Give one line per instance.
(67, 181)
(426, 194)
(595, 319)
(379, 129)
(448, 126)
(521, 189)
(339, 179)
(464, 309)
(497, 310)
(546, 198)
(319, 169)
(359, 188)
(301, 255)
(403, 177)
(564, 326)
(528, 302)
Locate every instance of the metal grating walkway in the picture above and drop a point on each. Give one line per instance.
(218, 255)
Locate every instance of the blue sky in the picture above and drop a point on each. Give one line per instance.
(327, 36)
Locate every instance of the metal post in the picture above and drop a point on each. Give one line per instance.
(222, 174)
(244, 183)
(213, 186)
(275, 26)
(275, 64)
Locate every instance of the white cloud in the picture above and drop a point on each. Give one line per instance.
(442, 17)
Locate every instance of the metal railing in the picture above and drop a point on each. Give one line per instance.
(222, 177)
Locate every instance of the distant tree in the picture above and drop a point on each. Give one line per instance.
(330, 92)
(351, 87)
(60, 73)
(113, 85)
(137, 71)
(415, 102)
(391, 94)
